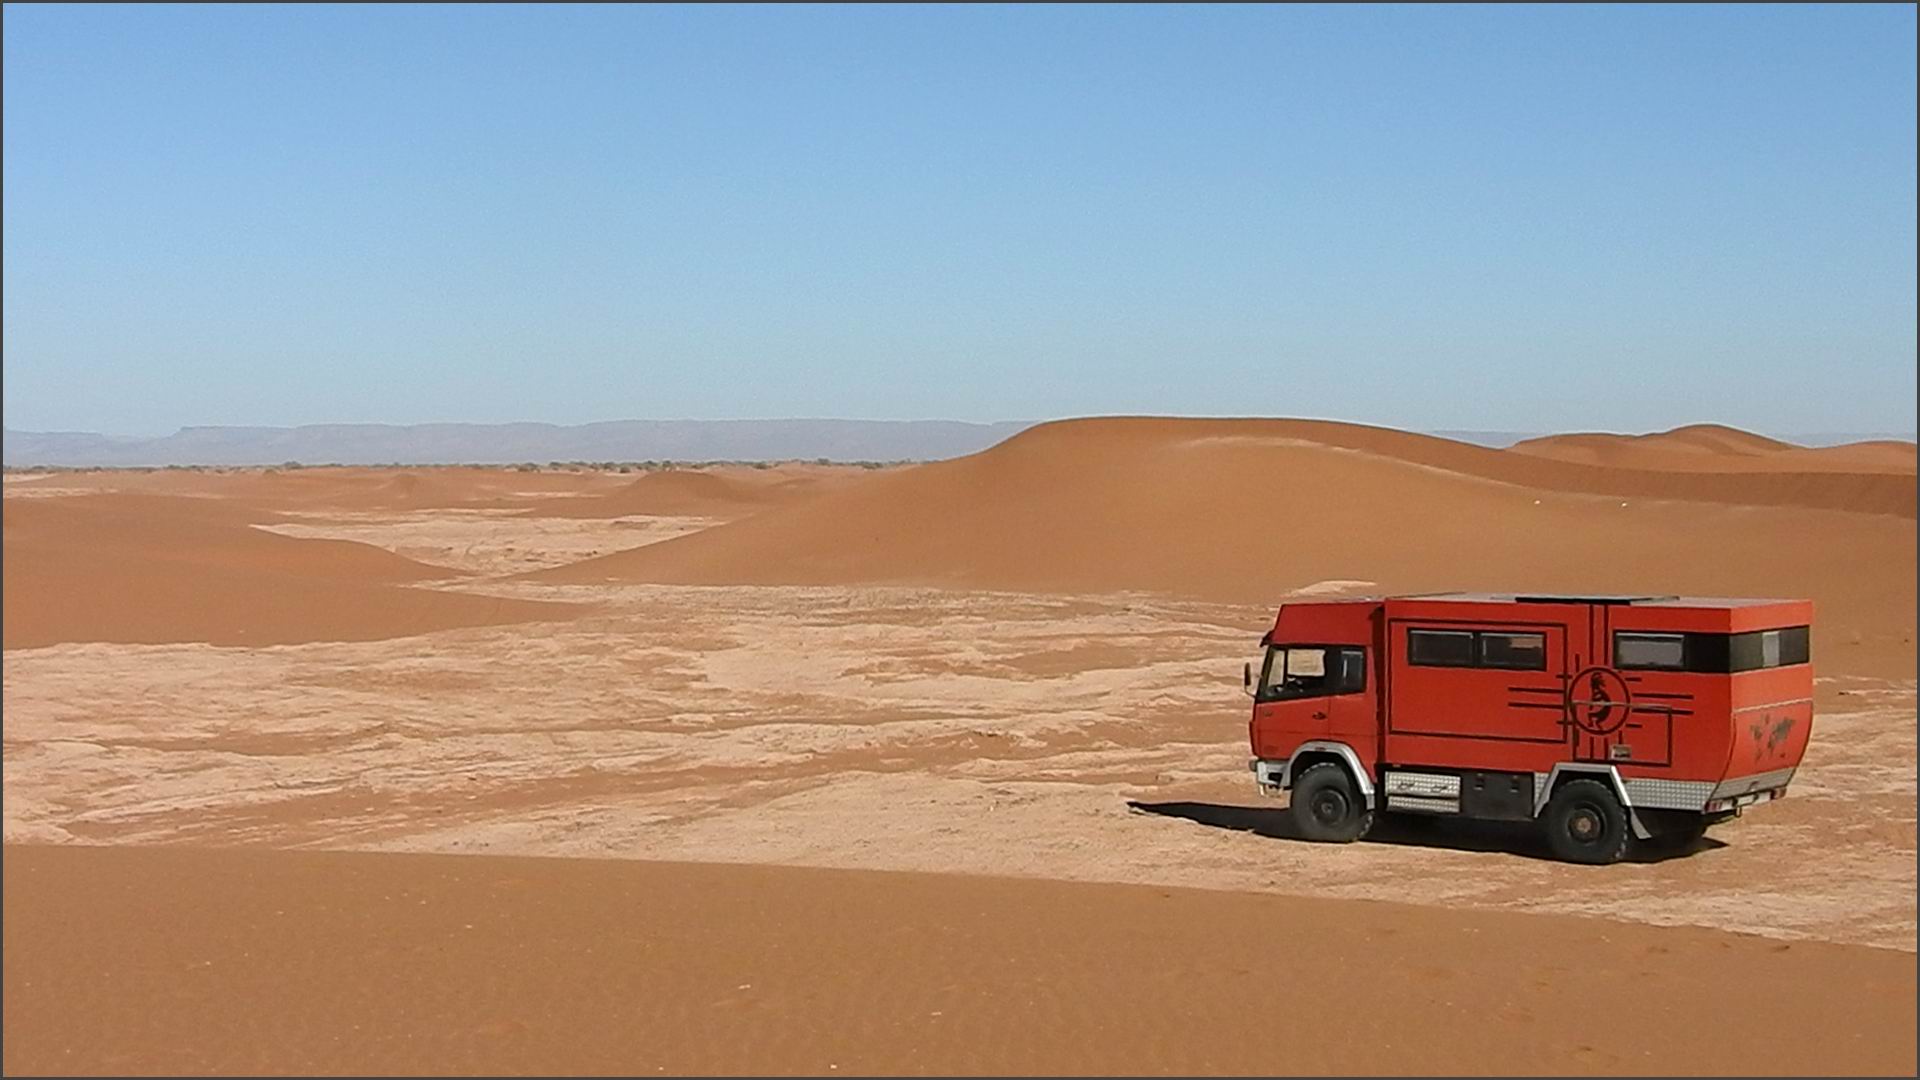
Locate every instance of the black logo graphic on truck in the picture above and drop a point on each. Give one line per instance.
(1597, 701)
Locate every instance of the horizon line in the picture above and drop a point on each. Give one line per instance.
(1910, 435)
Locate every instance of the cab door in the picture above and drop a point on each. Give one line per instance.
(1308, 692)
(1353, 716)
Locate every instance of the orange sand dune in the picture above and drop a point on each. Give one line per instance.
(716, 493)
(1712, 448)
(1865, 491)
(155, 568)
(1719, 438)
(194, 962)
(1251, 509)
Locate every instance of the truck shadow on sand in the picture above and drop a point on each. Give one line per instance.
(1458, 834)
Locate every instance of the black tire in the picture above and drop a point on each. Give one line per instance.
(1586, 824)
(1327, 806)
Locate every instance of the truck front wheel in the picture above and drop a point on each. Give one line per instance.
(1327, 806)
(1586, 823)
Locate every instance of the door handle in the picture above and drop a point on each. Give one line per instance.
(1319, 716)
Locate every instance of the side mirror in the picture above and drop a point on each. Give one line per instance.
(1246, 677)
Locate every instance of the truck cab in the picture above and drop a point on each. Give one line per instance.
(1316, 703)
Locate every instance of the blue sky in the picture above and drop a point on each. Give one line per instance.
(1495, 218)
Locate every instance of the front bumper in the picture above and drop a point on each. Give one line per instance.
(1271, 775)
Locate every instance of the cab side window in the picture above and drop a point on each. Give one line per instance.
(1301, 671)
(1351, 678)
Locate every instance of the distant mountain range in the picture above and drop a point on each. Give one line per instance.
(617, 440)
(450, 444)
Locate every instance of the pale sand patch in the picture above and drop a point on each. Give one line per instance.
(1336, 587)
(990, 733)
(41, 491)
(488, 541)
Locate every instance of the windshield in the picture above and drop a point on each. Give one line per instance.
(1296, 671)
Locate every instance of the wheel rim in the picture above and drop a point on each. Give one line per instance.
(1329, 807)
(1586, 825)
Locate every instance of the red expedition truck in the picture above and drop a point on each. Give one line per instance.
(1603, 718)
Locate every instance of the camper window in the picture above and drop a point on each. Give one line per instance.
(1440, 648)
(1658, 652)
(1518, 652)
(1721, 654)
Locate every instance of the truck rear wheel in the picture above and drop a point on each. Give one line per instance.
(1327, 805)
(1586, 823)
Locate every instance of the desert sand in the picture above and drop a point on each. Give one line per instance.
(241, 962)
(155, 568)
(968, 736)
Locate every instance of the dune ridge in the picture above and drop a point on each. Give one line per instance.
(153, 569)
(1238, 510)
(710, 493)
(1875, 491)
(1716, 448)
(1231, 510)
